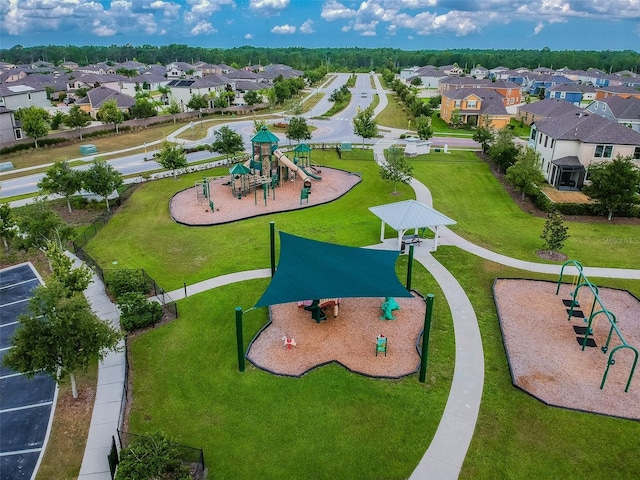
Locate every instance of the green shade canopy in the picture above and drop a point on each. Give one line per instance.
(302, 148)
(310, 270)
(264, 136)
(239, 169)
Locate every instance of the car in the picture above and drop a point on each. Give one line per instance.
(363, 94)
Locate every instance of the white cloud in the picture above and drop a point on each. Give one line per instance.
(248, 36)
(538, 28)
(268, 7)
(203, 28)
(307, 27)
(333, 10)
(284, 29)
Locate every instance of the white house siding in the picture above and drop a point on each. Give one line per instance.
(37, 98)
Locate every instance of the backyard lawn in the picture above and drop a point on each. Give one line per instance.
(331, 423)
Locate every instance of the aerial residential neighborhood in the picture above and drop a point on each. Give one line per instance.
(335, 264)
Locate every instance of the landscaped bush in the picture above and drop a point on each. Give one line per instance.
(540, 200)
(126, 281)
(136, 311)
(151, 458)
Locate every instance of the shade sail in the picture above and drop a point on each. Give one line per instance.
(309, 270)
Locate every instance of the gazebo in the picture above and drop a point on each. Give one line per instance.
(303, 154)
(408, 215)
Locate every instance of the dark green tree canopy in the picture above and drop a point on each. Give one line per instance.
(102, 179)
(77, 119)
(397, 168)
(61, 179)
(364, 125)
(297, 129)
(614, 185)
(172, 157)
(227, 142)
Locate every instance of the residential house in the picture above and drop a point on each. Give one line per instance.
(511, 92)
(499, 73)
(9, 128)
(475, 106)
(131, 65)
(97, 69)
(68, 65)
(92, 80)
(409, 72)
(182, 70)
(479, 72)
(534, 83)
(548, 108)
(147, 81)
(613, 91)
(568, 144)
(97, 97)
(429, 75)
(625, 111)
(210, 86)
(207, 68)
(15, 96)
(452, 70)
(571, 92)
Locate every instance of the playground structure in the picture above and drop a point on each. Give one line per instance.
(268, 166)
(203, 192)
(597, 311)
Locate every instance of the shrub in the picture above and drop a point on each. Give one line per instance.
(540, 200)
(136, 311)
(126, 281)
(151, 458)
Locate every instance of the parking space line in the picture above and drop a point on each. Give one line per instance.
(25, 407)
(20, 452)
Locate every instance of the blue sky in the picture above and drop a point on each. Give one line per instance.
(405, 24)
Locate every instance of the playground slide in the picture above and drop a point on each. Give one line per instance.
(315, 177)
(290, 165)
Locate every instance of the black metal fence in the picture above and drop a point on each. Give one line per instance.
(191, 456)
(169, 307)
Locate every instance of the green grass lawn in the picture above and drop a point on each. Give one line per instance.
(331, 423)
(327, 424)
(518, 437)
(393, 115)
(464, 189)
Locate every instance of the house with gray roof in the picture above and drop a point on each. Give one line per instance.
(625, 111)
(97, 97)
(429, 75)
(9, 127)
(530, 113)
(571, 92)
(15, 96)
(570, 143)
(616, 90)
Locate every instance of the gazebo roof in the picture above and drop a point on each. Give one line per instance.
(264, 136)
(239, 169)
(302, 148)
(410, 214)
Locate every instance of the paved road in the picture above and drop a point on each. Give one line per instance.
(337, 129)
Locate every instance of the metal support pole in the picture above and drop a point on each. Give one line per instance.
(410, 267)
(425, 337)
(239, 339)
(185, 289)
(272, 238)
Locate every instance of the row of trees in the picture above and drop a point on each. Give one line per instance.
(347, 58)
(101, 179)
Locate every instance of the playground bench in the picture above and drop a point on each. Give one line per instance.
(411, 239)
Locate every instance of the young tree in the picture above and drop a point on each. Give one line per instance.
(456, 118)
(73, 279)
(364, 124)
(110, 113)
(526, 173)
(396, 169)
(555, 232)
(484, 136)
(503, 151)
(172, 157)
(173, 109)
(143, 108)
(227, 142)
(614, 185)
(197, 102)
(423, 127)
(77, 119)
(416, 81)
(8, 226)
(39, 224)
(35, 122)
(258, 124)
(62, 180)
(102, 179)
(298, 129)
(252, 97)
(59, 335)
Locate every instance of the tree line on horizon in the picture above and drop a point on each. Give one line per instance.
(335, 59)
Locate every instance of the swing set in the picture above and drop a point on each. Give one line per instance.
(598, 310)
